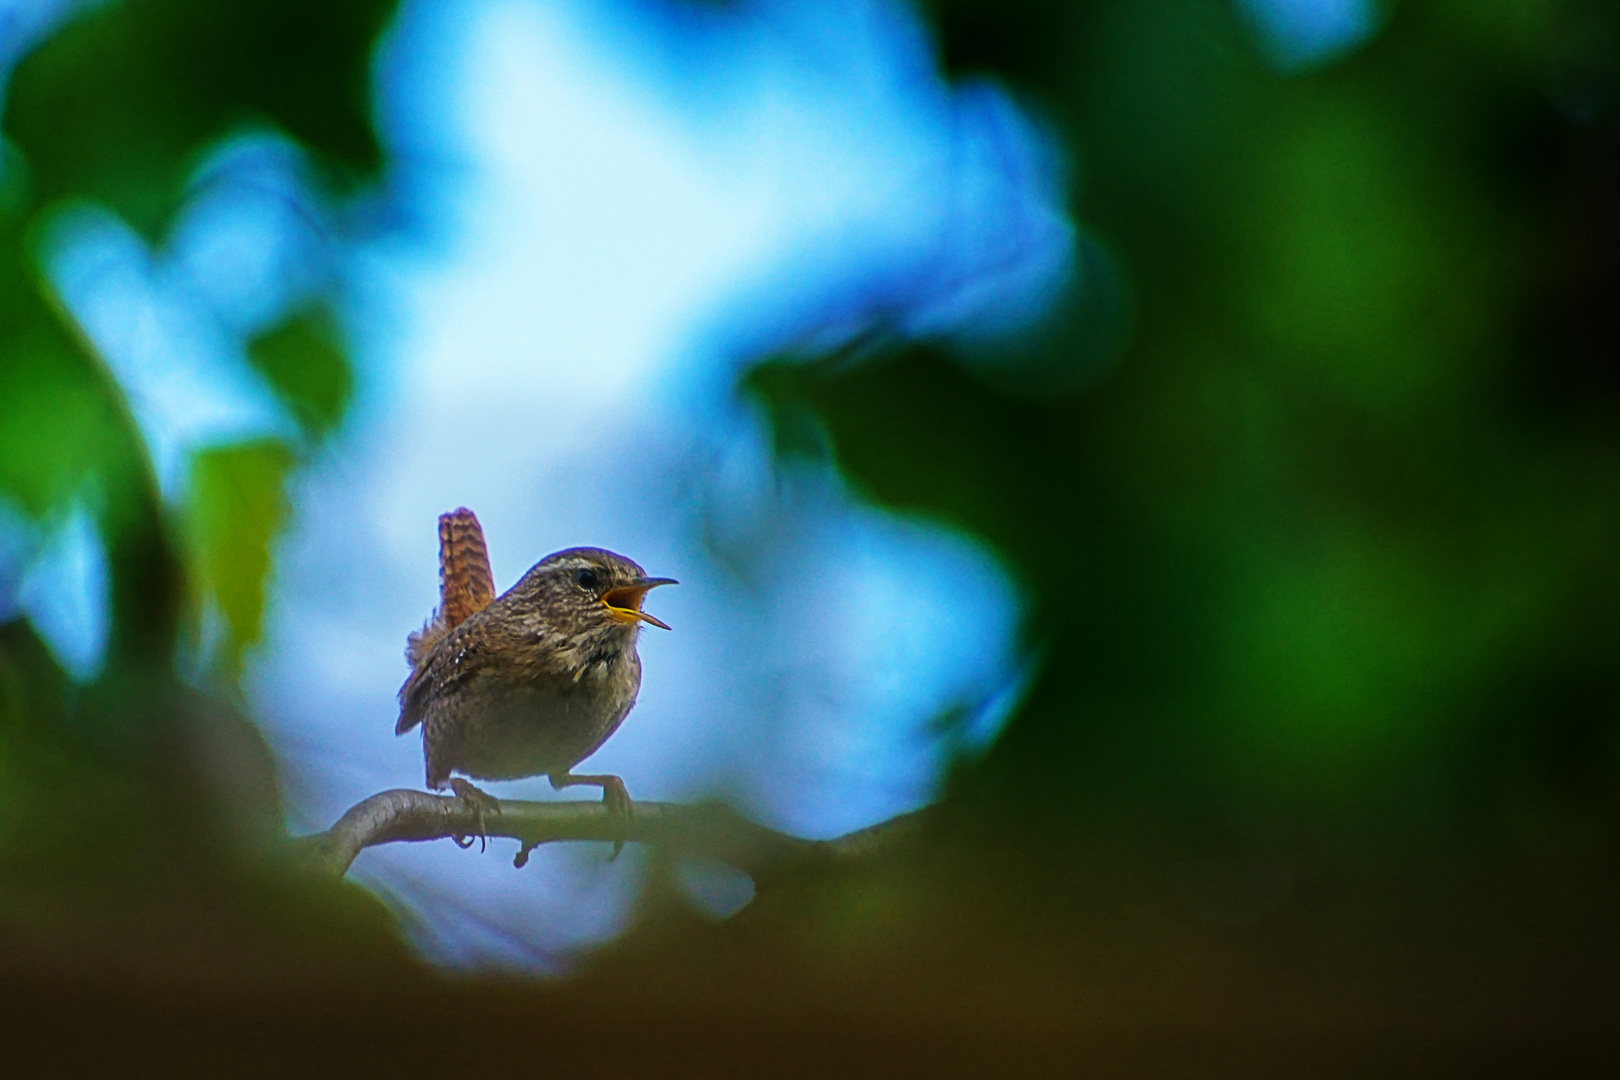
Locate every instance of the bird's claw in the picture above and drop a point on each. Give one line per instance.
(614, 797)
(617, 800)
(482, 804)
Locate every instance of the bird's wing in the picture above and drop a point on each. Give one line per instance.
(451, 658)
(420, 653)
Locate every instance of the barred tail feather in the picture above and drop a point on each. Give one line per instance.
(466, 585)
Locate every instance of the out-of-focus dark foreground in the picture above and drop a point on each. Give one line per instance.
(1315, 488)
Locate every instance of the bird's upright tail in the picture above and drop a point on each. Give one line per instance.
(466, 585)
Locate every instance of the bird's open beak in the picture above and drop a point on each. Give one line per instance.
(625, 601)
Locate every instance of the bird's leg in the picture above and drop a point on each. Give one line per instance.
(614, 797)
(481, 804)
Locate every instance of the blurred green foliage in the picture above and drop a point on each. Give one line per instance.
(119, 106)
(234, 511)
(58, 422)
(1294, 551)
(306, 368)
(1323, 563)
(173, 790)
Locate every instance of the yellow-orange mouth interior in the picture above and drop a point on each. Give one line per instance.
(625, 601)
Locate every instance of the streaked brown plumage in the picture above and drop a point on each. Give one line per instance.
(530, 683)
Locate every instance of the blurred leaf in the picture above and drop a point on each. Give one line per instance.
(307, 369)
(236, 503)
(57, 427)
(15, 181)
(932, 455)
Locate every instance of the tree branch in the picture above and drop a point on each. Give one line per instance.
(706, 830)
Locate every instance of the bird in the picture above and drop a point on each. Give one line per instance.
(529, 683)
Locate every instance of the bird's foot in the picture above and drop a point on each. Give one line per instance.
(617, 800)
(482, 805)
(614, 797)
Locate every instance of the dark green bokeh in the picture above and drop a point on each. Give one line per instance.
(1291, 553)
(140, 821)
(118, 105)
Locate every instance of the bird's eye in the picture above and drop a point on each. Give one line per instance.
(586, 579)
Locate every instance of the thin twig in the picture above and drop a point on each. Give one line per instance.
(707, 830)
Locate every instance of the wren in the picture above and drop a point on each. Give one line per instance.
(532, 682)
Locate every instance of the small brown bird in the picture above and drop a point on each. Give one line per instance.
(533, 682)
